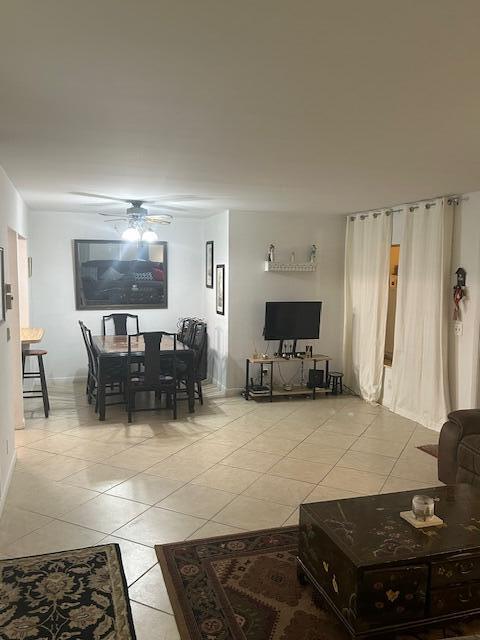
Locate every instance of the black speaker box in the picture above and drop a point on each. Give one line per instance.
(315, 378)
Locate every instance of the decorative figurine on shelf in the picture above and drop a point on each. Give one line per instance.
(292, 256)
(271, 253)
(313, 253)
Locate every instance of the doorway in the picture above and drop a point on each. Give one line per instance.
(392, 304)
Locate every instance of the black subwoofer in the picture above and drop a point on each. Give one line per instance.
(315, 378)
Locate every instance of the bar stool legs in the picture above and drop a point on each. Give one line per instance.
(40, 374)
(43, 382)
(335, 382)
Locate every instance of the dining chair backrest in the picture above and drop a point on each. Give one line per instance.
(199, 345)
(120, 321)
(199, 335)
(189, 331)
(182, 325)
(84, 336)
(157, 363)
(87, 338)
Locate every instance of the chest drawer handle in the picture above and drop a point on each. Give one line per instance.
(465, 597)
(466, 567)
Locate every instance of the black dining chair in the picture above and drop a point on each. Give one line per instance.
(188, 331)
(120, 321)
(158, 373)
(113, 378)
(199, 346)
(91, 367)
(181, 326)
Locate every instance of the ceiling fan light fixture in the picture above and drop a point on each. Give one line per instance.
(149, 235)
(165, 218)
(131, 234)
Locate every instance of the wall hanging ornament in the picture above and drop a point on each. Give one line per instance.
(459, 291)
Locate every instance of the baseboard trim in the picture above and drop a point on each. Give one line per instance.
(71, 379)
(419, 419)
(8, 481)
(233, 391)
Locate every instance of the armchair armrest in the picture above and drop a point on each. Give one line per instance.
(467, 421)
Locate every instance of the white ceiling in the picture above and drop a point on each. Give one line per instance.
(291, 105)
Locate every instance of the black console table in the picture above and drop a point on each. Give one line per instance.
(273, 392)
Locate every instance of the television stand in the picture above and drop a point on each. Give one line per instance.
(269, 391)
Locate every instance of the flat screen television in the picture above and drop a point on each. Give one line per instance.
(292, 320)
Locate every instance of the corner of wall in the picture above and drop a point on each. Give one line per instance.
(216, 228)
(7, 481)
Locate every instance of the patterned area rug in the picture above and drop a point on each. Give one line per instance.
(431, 449)
(244, 587)
(70, 595)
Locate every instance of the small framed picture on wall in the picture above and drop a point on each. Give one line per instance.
(209, 264)
(220, 289)
(2, 286)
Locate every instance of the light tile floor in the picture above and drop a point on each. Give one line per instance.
(231, 466)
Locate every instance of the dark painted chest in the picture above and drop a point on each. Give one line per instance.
(380, 574)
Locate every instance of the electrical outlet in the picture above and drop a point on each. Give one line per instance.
(458, 328)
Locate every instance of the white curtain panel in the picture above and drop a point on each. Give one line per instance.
(367, 260)
(419, 370)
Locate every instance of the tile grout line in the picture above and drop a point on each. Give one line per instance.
(214, 464)
(210, 435)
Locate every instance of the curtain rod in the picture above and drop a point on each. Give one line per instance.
(451, 200)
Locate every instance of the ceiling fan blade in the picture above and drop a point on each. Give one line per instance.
(159, 219)
(105, 205)
(166, 208)
(107, 214)
(98, 195)
(175, 198)
(115, 220)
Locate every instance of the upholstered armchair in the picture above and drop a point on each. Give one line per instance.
(459, 448)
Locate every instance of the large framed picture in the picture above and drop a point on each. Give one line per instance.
(209, 264)
(114, 274)
(2, 286)
(220, 289)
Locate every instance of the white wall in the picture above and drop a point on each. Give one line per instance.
(241, 240)
(464, 349)
(251, 286)
(216, 228)
(13, 215)
(53, 289)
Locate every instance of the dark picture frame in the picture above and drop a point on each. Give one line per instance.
(209, 264)
(116, 274)
(3, 303)
(220, 289)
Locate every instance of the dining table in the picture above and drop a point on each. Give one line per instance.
(110, 346)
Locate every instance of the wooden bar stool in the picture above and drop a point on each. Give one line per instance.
(40, 374)
(335, 382)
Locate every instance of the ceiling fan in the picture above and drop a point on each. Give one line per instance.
(138, 218)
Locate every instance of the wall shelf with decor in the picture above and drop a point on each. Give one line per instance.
(308, 266)
(290, 266)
